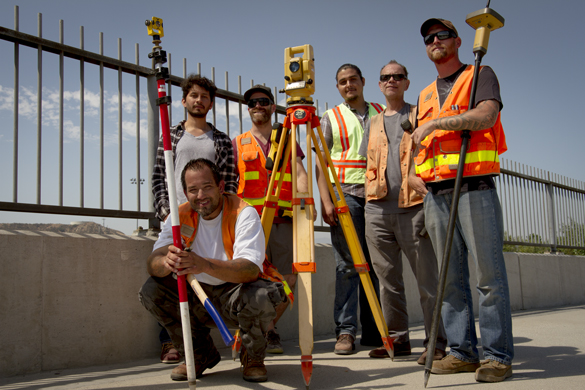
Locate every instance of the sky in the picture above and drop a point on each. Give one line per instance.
(535, 56)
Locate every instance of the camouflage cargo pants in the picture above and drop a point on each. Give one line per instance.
(249, 306)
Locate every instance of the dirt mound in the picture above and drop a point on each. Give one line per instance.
(81, 228)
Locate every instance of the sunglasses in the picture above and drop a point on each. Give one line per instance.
(442, 35)
(263, 102)
(397, 77)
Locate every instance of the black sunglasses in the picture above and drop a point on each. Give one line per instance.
(263, 102)
(397, 77)
(441, 35)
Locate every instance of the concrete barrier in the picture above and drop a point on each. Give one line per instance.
(70, 300)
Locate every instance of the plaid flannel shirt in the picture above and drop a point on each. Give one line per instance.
(224, 159)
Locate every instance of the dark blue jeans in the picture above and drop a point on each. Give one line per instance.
(478, 232)
(347, 280)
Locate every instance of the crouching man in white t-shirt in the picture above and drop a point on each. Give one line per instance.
(226, 256)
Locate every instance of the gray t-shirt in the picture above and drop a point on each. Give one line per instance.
(394, 132)
(189, 148)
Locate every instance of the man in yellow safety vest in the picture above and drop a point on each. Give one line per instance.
(343, 129)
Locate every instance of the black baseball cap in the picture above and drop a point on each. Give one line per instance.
(258, 88)
(430, 22)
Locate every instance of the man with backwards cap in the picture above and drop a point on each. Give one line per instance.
(250, 151)
(443, 113)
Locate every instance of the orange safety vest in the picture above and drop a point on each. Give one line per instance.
(440, 158)
(254, 178)
(232, 206)
(377, 160)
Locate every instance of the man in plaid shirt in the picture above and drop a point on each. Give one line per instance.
(192, 139)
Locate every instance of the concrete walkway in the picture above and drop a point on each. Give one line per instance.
(549, 344)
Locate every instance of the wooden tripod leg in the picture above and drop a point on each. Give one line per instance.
(353, 243)
(304, 259)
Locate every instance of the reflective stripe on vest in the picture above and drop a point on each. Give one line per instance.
(347, 134)
(254, 178)
(439, 160)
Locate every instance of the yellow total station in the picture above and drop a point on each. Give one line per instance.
(299, 75)
(484, 21)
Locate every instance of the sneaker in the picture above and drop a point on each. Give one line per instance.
(492, 371)
(400, 349)
(179, 373)
(254, 370)
(344, 344)
(273, 342)
(169, 355)
(451, 365)
(439, 354)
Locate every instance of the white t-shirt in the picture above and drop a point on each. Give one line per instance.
(249, 241)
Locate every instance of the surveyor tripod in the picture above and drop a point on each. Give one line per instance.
(303, 230)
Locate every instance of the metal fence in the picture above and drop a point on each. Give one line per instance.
(540, 208)
(110, 181)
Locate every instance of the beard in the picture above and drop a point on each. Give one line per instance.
(351, 98)
(204, 211)
(198, 113)
(260, 117)
(441, 56)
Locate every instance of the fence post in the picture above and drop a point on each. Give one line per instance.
(153, 135)
(552, 225)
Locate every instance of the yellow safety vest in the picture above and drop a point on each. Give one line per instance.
(347, 133)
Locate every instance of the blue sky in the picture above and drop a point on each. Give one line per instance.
(536, 56)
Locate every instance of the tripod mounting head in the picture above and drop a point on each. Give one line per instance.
(299, 75)
(483, 21)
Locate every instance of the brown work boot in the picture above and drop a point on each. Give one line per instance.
(179, 373)
(344, 344)
(169, 355)
(400, 349)
(451, 365)
(253, 370)
(492, 371)
(439, 354)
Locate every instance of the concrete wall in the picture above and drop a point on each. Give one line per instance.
(69, 300)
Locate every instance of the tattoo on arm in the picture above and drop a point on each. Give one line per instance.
(470, 120)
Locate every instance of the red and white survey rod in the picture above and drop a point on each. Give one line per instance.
(163, 101)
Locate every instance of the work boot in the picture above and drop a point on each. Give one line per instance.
(439, 354)
(169, 355)
(492, 371)
(451, 365)
(210, 360)
(344, 344)
(273, 342)
(253, 370)
(400, 349)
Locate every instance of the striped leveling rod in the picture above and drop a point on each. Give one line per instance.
(181, 285)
